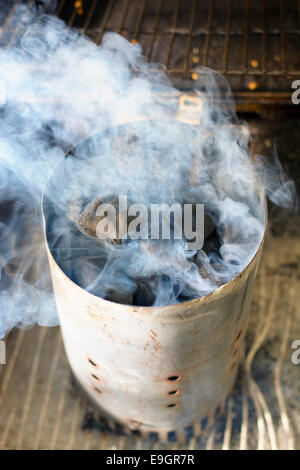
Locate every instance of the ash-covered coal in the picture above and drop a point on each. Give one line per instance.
(88, 221)
(143, 288)
(155, 164)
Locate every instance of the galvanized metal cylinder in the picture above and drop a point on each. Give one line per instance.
(155, 369)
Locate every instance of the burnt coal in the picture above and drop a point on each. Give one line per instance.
(134, 160)
(88, 220)
(141, 291)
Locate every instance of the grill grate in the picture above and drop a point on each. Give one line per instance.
(254, 44)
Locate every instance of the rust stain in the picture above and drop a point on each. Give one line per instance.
(156, 344)
(238, 336)
(195, 333)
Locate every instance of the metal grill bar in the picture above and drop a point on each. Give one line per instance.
(282, 34)
(17, 30)
(259, 73)
(89, 16)
(139, 20)
(245, 45)
(208, 35)
(104, 21)
(189, 41)
(172, 34)
(228, 26)
(264, 52)
(204, 31)
(154, 34)
(9, 17)
(124, 16)
(72, 18)
(60, 7)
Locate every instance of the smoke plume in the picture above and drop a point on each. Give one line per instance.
(61, 89)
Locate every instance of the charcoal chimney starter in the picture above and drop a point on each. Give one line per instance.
(152, 369)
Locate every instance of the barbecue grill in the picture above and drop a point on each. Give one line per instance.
(256, 46)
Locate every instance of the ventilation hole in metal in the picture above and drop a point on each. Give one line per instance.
(92, 362)
(173, 378)
(171, 405)
(204, 423)
(97, 390)
(174, 392)
(95, 377)
(189, 432)
(153, 436)
(172, 436)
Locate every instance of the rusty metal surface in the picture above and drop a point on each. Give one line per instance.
(41, 409)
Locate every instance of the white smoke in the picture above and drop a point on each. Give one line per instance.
(61, 88)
